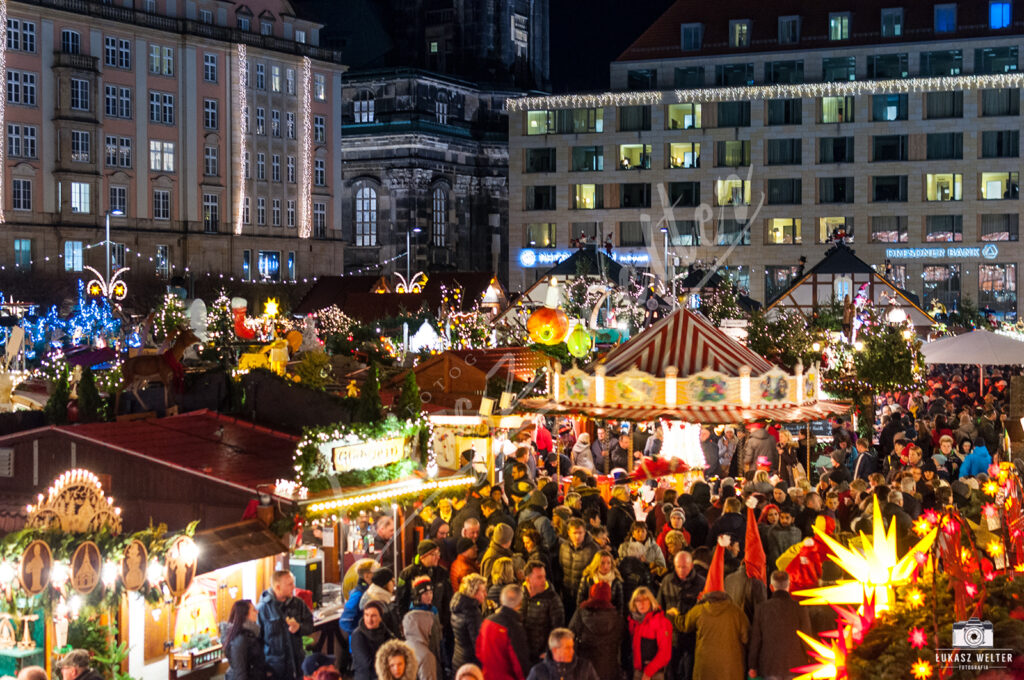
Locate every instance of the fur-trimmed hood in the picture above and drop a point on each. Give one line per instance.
(392, 648)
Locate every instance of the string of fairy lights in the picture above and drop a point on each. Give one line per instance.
(306, 187)
(3, 103)
(243, 127)
(778, 91)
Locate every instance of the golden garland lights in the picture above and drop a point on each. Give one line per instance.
(395, 491)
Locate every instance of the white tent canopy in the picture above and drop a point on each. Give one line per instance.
(977, 347)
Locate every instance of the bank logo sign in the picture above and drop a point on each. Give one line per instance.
(973, 648)
(989, 251)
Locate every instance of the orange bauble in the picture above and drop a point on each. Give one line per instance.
(548, 326)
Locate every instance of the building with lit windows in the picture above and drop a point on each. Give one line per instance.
(425, 164)
(751, 134)
(206, 131)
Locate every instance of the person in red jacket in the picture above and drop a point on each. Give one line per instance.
(651, 635)
(675, 522)
(501, 646)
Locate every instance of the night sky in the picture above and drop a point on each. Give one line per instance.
(587, 35)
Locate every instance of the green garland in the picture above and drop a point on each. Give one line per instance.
(316, 473)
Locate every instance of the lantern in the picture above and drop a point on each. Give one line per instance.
(547, 326)
(579, 342)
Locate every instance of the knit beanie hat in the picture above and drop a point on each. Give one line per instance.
(503, 534)
(420, 585)
(601, 591)
(464, 544)
(677, 512)
(382, 577)
(537, 500)
(426, 547)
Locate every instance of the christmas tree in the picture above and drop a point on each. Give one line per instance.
(170, 315)
(369, 409)
(220, 329)
(90, 405)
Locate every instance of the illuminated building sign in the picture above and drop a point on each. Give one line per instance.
(530, 258)
(989, 251)
(364, 455)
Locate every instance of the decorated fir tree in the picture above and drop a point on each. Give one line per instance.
(57, 405)
(408, 404)
(220, 328)
(170, 314)
(369, 409)
(90, 404)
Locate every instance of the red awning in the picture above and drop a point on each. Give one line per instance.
(709, 414)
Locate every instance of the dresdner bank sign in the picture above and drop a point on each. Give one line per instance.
(989, 251)
(542, 257)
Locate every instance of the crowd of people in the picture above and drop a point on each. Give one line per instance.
(538, 577)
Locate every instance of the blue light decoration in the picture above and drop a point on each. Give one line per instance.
(92, 321)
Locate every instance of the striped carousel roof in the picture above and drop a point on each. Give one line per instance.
(706, 414)
(687, 340)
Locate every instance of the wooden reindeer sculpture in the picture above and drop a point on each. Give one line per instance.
(164, 368)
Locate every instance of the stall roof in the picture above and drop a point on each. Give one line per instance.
(206, 443)
(235, 543)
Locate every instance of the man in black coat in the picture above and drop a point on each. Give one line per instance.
(283, 620)
(774, 647)
(542, 609)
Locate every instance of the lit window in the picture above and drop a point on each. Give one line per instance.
(80, 197)
(837, 109)
(782, 231)
(683, 116)
(732, 192)
(831, 227)
(684, 155)
(72, 256)
(998, 15)
(999, 185)
(945, 18)
(587, 196)
(23, 253)
(635, 156)
(540, 235)
(944, 187)
(320, 87)
(739, 33)
(362, 107)
(839, 26)
(366, 217)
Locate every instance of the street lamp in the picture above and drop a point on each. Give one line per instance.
(115, 213)
(408, 254)
(668, 277)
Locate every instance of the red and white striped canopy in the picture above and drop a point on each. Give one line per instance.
(706, 414)
(688, 341)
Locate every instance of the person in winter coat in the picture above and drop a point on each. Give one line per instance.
(760, 444)
(428, 555)
(679, 592)
(676, 520)
(75, 665)
(602, 570)
(722, 630)
(562, 661)
(775, 647)
(502, 536)
(532, 513)
(575, 554)
(708, 446)
(650, 636)
(651, 553)
(352, 612)
(283, 620)
(395, 661)
(502, 647)
(423, 630)
(978, 461)
(581, 454)
(368, 637)
(467, 617)
(731, 522)
(244, 650)
(597, 625)
(542, 610)
(503, 573)
(620, 516)
(382, 591)
(781, 537)
(465, 562)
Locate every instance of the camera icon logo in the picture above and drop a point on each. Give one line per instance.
(973, 634)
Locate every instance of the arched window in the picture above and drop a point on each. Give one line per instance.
(366, 216)
(439, 230)
(363, 107)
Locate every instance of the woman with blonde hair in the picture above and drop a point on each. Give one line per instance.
(503, 573)
(602, 570)
(651, 636)
(467, 616)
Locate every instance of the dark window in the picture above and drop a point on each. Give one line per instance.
(993, 60)
(835, 190)
(835, 150)
(635, 195)
(686, 194)
(888, 107)
(634, 118)
(785, 111)
(540, 160)
(540, 198)
(838, 69)
(732, 231)
(889, 148)
(733, 114)
(684, 232)
(642, 79)
(945, 146)
(889, 188)
(691, 77)
(944, 229)
(999, 227)
(889, 229)
(887, 66)
(944, 105)
(784, 72)
(783, 152)
(1003, 102)
(734, 74)
(731, 154)
(634, 233)
(1000, 144)
(783, 191)
(942, 63)
(587, 158)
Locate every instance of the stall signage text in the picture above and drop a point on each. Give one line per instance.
(364, 455)
(989, 251)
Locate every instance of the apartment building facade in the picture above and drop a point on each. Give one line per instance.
(207, 133)
(753, 135)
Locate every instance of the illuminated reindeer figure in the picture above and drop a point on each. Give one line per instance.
(164, 368)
